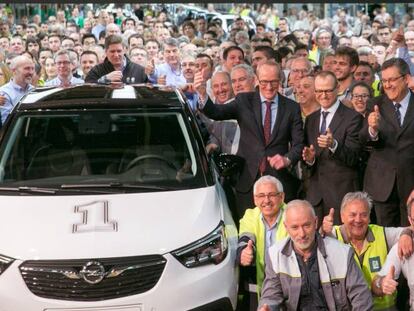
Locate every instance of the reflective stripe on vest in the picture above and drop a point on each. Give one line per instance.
(373, 260)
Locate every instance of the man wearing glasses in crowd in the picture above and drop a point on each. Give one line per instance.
(271, 131)
(389, 130)
(332, 151)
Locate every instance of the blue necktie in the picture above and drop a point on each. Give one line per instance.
(397, 107)
(323, 126)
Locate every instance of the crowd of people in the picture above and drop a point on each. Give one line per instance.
(320, 109)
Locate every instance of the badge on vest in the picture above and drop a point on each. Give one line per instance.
(374, 264)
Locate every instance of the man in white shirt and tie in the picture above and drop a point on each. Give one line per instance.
(332, 148)
(389, 130)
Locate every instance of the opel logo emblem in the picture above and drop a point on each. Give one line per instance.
(93, 272)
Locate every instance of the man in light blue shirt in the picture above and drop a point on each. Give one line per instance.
(101, 26)
(171, 69)
(23, 70)
(63, 63)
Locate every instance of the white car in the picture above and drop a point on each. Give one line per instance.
(109, 202)
(227, 21)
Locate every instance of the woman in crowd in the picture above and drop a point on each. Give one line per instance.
(360, 93)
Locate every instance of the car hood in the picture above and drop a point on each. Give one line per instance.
(115, 225)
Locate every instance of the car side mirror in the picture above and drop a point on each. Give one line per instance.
(228, 164)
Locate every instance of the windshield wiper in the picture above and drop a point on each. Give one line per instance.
(116, 185)
(30, 189)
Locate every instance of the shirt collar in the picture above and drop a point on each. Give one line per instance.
(369, 237)
(333, 108)
(279, 216)
(405, 100)
(18, 87)
(275, 99)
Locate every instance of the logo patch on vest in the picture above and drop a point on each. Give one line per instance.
(374, 264)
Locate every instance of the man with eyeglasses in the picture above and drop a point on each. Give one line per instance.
(64, 71)
(384, 283)
(260, 227)
(332, 148)
(389, 130)
(299, 67)
(271, 131)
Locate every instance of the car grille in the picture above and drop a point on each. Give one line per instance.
(113, 277)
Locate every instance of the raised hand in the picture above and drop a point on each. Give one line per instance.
(326, 141)
(308, 154)
(328, 222)
(150, 68)
(162, 80)
(388, 284)
(374, 120)
(200, 85)
(247, 254)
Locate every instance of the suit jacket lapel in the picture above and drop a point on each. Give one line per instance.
(280, 113)
(337, 118)
(409, 115)
(315, 132)
(257, 110)
(389, 113)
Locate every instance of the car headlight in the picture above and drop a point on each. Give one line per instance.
(210, 249)
(5, 262)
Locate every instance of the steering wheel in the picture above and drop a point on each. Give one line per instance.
(139, 159)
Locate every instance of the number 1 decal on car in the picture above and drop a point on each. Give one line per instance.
(95, 217)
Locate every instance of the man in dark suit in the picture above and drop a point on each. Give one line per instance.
(389, 176)
(271, 133)
(332, 152)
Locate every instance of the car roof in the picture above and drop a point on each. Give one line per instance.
(99, 95)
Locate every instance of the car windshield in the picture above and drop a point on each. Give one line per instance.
(100, 148)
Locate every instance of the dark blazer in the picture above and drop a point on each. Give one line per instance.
(131, 70)
(286, 140)
(334, 174)
(392, 155)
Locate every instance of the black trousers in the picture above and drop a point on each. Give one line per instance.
(393, 212)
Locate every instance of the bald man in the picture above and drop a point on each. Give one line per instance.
(23, 70)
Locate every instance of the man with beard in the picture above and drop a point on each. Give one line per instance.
(345, 63)
(10, 93)
(305, 272)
